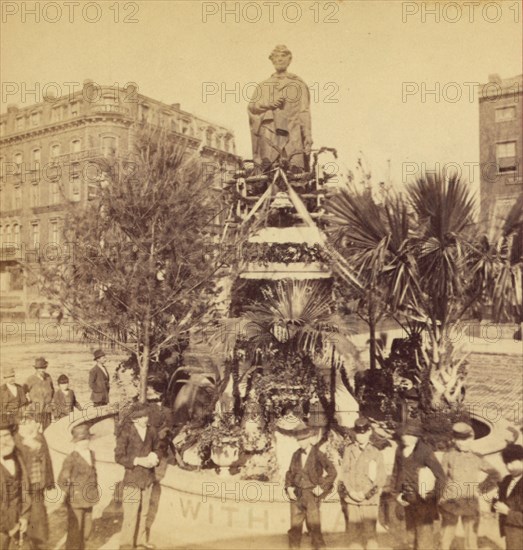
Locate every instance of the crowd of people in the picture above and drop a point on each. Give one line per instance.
(426, 488)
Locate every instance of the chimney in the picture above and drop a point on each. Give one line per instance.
(175, 106)
(494, 78)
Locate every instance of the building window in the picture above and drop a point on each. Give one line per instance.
(35, 157)
(18, 158)
(174, 125)
(2, 169)
(75, 183)
(35, 233)
(7, 239)
(55, 150)
(506, 157)
(35, 118)
(56, 114)
(76, 146)
(18, 197)
(16, 234)
(108, 146)
(54, 234)
(20, 123)
(74, 108)
(35, 194)
(505, 113)
(208, 137)
(144, 113)
(55, 192)
(2, 128)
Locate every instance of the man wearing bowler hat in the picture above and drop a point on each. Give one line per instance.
(136, 450)
(361, 479)
(15, 502)
(78, 482)
(310, 478)
(40, 391)
(464, 470)
(12, 396)
(99, 380)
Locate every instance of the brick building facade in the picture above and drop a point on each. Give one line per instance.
(501, 147)
(46, 160)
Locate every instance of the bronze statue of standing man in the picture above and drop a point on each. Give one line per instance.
(280, 118)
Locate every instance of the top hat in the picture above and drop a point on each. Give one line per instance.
(411, 428)
(62, 379)
(40, 363)
(462, 430)
(98, 353)
(512, 452)
(81, 432)
(8, 373)
(362, 425)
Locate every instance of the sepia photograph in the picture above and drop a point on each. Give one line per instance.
(261, 275)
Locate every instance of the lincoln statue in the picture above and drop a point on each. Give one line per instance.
(279, 116)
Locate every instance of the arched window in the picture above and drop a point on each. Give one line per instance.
(36, 156)
(76, 145)
(16, 234)
(108, 146)
(208, 137)
(56, 150)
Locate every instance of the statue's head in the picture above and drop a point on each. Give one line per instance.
(281, 57)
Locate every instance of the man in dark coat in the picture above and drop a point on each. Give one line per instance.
(510, 503)
(99, 380)
(15, 502)
(12, 396)
(136, 446)
(421, 510)
(34, 451)
(78, 482)
(40, 390)
(310, 479)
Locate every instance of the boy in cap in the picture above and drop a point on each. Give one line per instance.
(12, 396)
(136, 446)
(78, 482)
(310, 478)
(40, 390)
(509, 506)
(412, 455)
(15, 503)
(64, 400)
(361, 479)
(99, 380)
(464, 470)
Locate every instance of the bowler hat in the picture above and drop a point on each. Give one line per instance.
(62, 379)
(98, 353)
(512, 452)
(8, 373)
(138, 411)
(81, 432)
(40, 363)
(362, 425)
(411, 428)
(462, 430)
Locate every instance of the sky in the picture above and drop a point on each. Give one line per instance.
(370, 65)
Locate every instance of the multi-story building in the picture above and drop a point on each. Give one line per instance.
(501, 148)
(46, 160)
